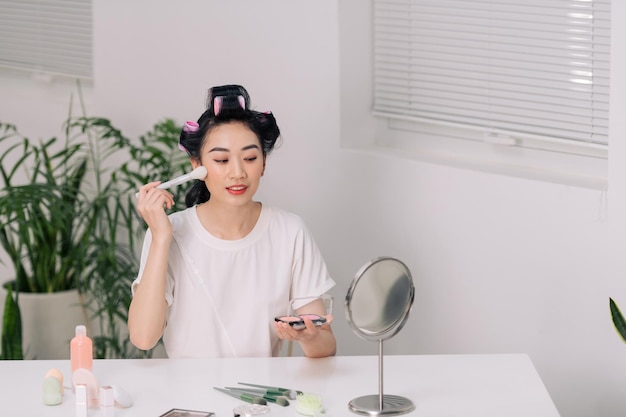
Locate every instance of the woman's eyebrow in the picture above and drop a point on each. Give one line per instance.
(217, 149)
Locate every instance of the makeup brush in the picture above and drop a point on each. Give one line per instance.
(196, 174)
(260, 391)
(278, 399)
(252, 399)
(289, 393)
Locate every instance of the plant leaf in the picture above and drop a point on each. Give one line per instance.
(618, 319)
(11, 328)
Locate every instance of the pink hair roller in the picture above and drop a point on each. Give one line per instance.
(190, 126)
(217, 105)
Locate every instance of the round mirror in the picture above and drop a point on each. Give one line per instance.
(378, 304)
(380, 299)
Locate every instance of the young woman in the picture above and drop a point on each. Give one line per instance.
(213, 277)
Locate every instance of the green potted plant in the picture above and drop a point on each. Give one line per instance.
(42, 229)
(67, 220)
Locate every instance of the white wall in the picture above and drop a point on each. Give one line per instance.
(501, 264)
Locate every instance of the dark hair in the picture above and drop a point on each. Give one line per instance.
(225, 104)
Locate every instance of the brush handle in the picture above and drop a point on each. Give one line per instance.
(197, 173)
(277, 398)
(289, 393)
(259, 391)
(252, 399)
(175, 181)
(267, 387)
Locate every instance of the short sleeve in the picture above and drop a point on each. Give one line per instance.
(310, 274)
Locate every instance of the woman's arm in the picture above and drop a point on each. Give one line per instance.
(148, 308)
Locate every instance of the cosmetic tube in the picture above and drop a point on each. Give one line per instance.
(107, 401)
(81, 400)
(81, 350)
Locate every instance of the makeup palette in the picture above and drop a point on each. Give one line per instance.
(297, 322)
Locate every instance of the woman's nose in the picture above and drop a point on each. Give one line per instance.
(237, 170)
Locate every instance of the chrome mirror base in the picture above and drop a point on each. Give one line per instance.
(392, 405)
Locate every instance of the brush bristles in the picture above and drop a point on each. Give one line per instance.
(198, 173)
(309, 404)
(259, 400)
(282, 401)
(291, 394)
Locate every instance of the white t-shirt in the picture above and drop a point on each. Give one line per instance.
(223, 295)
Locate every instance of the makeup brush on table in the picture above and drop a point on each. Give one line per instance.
(289, 393)
(196, 174)
(275, 397)
(261, 391)
(249, 398)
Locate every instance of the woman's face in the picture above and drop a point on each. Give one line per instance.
(234, 161)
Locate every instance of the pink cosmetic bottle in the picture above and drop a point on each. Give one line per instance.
(81, 350)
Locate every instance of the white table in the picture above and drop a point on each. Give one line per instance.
(439, 385)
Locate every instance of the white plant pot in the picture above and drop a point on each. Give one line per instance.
(48, 322)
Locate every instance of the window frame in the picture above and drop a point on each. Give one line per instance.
(570, 162)
(47, 39)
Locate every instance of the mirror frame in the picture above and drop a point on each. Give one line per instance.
(399, 322)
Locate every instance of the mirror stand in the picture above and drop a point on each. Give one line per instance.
(381, 404)
(378, 303)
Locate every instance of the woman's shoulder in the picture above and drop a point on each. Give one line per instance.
(278, 213)
(280, 217)
(182, 217)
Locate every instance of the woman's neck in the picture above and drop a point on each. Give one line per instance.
(228, 222)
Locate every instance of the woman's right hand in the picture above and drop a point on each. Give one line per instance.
(151, 205)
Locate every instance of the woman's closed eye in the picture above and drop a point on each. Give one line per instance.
(224, 161)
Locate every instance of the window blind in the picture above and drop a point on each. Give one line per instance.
(532, 68)
(47, 36)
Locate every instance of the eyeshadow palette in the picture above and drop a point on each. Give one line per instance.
(297, 322)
